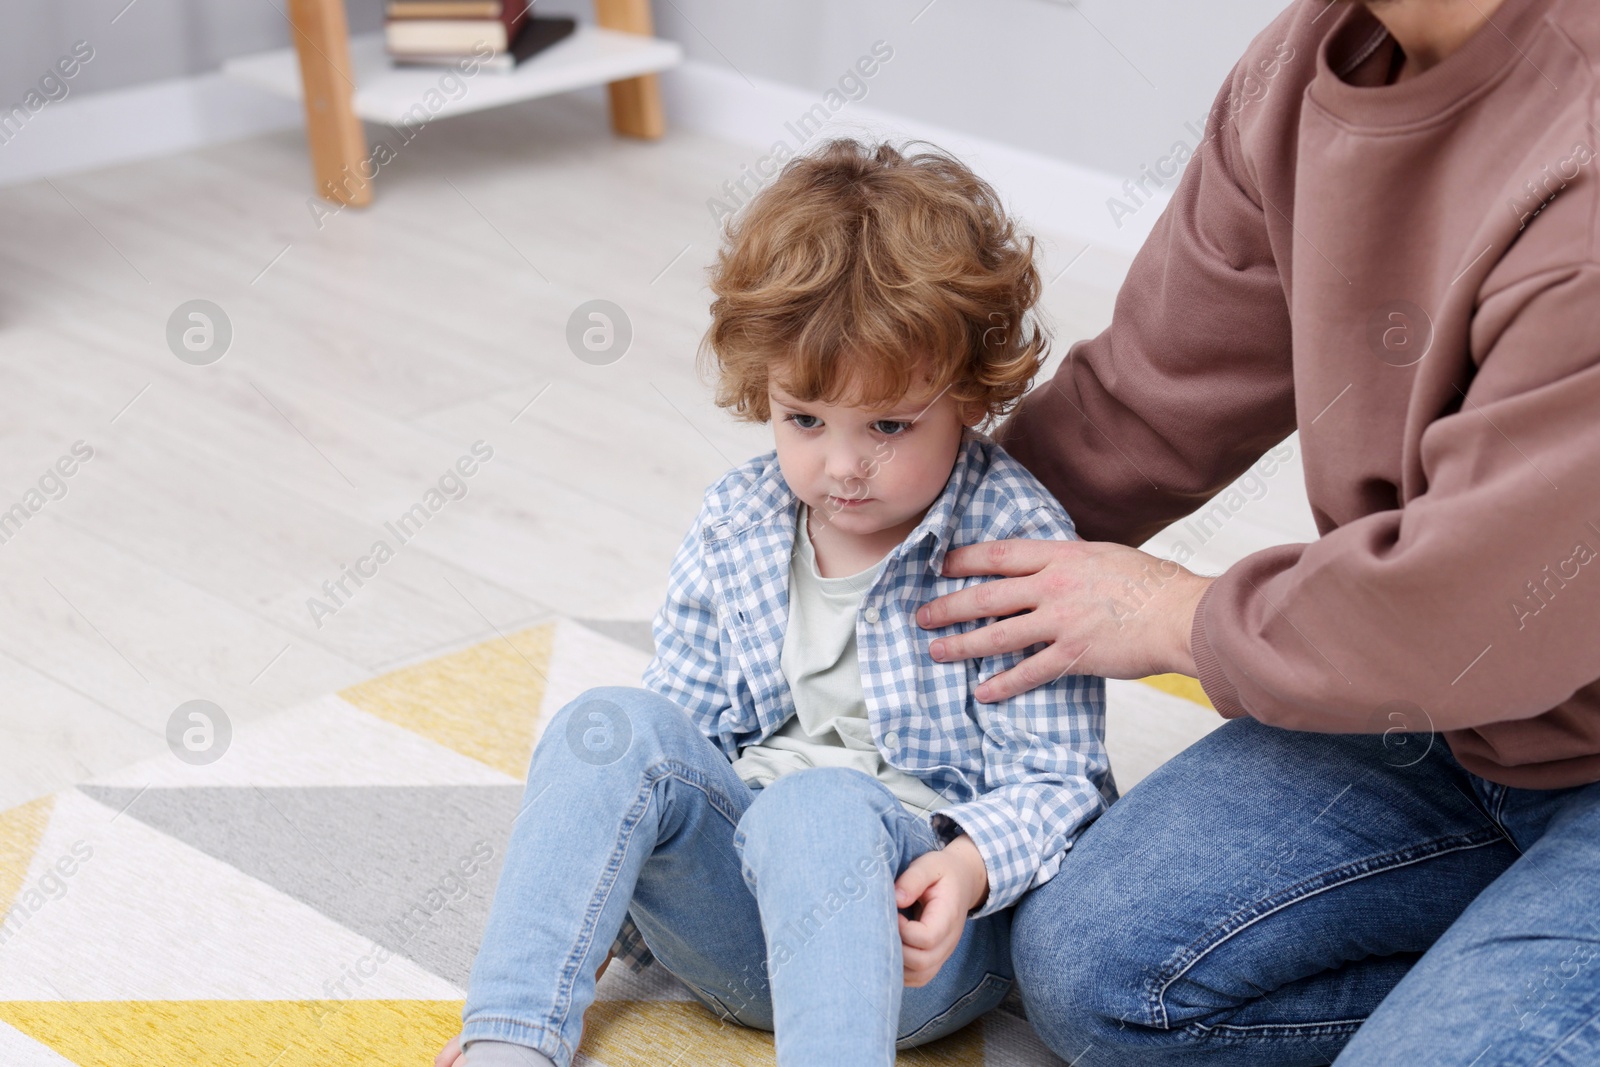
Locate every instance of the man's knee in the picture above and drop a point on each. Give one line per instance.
(1077, 963)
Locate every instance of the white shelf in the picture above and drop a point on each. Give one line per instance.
(386, 92)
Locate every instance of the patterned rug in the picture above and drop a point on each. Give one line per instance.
(314, 897)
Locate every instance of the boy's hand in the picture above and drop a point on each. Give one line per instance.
(947, 883)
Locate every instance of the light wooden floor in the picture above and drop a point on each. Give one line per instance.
(367, 356)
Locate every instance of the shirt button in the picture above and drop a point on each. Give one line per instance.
(891, 739)
(871, 614)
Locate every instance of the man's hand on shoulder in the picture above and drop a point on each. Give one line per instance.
(1104, 609)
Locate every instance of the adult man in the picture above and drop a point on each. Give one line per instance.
(1389, 241)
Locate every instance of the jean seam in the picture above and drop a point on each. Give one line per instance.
(1500, 806)
(1574, 1032)
(727, 1013)
(1306, 888)
(657, 772)
(1326, 1028)
(989, 978)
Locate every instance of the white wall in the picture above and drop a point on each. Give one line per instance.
(148, 41)
(1104, 84)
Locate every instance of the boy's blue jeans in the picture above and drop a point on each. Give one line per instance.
(1264, 892)
(774, 906)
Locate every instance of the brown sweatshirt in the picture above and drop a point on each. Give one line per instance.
(1408, 273)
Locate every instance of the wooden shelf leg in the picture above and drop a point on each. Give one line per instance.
(338, 145)
(636, 102)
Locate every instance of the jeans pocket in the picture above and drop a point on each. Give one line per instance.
(986, 995)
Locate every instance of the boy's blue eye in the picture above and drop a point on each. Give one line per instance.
(891, 428)
(796, 417)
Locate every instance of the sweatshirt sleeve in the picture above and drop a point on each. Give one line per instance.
(1192, 381)
(1478, 601)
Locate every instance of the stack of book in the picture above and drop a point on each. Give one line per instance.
(446, 31)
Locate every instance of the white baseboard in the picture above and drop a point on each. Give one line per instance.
(156, 119)
(96, 130)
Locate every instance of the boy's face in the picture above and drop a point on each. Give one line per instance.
(864, 470)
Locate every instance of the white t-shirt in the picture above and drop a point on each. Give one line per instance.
(829, 727)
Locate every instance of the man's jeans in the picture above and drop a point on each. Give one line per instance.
(1263, 893)
(630, 810)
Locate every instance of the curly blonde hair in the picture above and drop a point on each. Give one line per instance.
(861, 269)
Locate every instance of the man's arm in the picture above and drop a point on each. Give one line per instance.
(1468, 606)
(1479, 600)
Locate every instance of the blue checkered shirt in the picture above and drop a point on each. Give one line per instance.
(1024, 775)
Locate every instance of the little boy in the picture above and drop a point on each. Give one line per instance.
(802, 815)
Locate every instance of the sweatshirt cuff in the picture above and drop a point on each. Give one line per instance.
(1222, 693)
